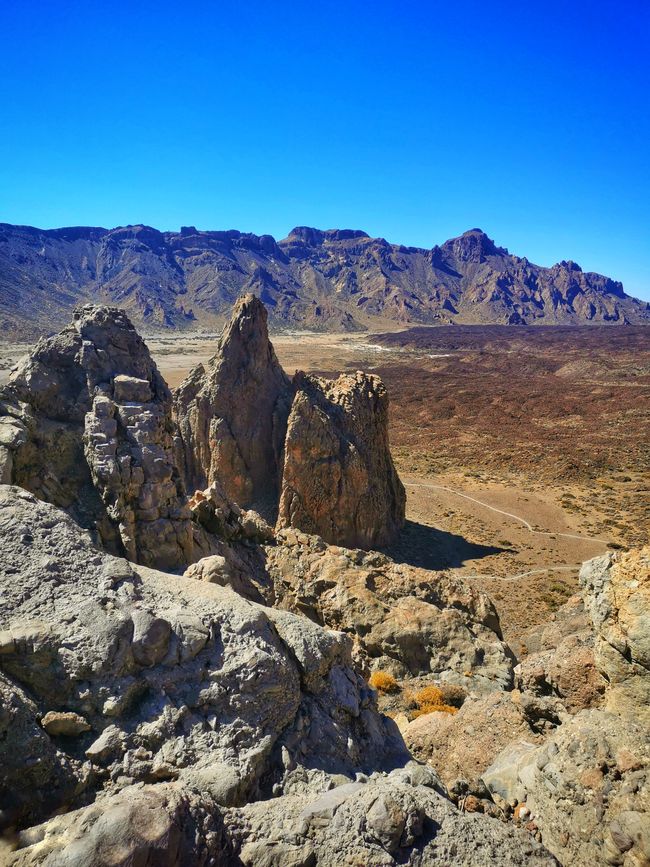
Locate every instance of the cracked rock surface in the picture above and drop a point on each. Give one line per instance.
(86, 422)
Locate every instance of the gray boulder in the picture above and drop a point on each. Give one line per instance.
(85, 423)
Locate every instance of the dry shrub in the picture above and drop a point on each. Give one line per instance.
(433, 708)
(428, 695)
(429, 700)
(383, 681)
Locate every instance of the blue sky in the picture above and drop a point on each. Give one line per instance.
(413, 120)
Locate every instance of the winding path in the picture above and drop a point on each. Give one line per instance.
(519, 520)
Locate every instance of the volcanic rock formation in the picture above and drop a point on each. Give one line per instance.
(318, 448)
(339, 481)
(222, 717)
(86, 424)
(574, 765)
(232, 414)
(404, 620)
(207, 729)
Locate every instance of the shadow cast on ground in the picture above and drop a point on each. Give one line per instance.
(432, 548)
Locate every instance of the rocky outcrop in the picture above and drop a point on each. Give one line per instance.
(313, 452)
(167, 676)
(404, 620)
(232, 413)
(559, 659)
(398, 819)
(617, 593)
(157, 716)
(462, 746)
(339, 481)
(86, 421)
(587, 788)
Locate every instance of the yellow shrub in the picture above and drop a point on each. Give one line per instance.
(431, 708)
(430, 699)
(428, 695)
(383, 681)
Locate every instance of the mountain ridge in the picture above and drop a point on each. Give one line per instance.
(318, 279)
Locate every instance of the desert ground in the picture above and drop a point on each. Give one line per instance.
(523, 451)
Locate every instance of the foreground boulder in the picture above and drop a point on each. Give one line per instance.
(172, 679)
(87, 426)
(198, 727)
(339, 481)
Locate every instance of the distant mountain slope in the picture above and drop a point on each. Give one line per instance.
(324, 280)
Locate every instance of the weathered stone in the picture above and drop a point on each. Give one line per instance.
(150, 637)
(232, 414)
(559, 659)
(339, 481)
(64, 723)
(617, 593)
(94, 437)
(463, 745)
(327, 470)
(421, 621)
(131, 389)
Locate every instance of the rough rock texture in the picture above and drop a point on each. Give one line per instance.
(326, 470)
(463, 745)
(232, 413)
(560, 661)
(339, 481)
(86, 422)
(394, 820)
(337, 279)
(170, 675)
(617, 592)
(403, 619)
(195, 703)
(587, 788)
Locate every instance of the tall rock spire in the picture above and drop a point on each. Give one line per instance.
(232, 413)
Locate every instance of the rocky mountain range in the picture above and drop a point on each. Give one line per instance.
(323, 280)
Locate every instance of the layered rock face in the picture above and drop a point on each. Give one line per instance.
(339, 481)
(172, 722)
(87, 426)
(232, 414)
(312, 452)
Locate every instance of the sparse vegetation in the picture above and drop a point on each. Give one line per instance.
(382, 681)
(431, 699)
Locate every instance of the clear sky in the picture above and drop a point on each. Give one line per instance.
(412, 120)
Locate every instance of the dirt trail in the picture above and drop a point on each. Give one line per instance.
(518, 518)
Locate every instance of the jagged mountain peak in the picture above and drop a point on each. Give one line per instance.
(473, 246)
(321, 279)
